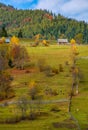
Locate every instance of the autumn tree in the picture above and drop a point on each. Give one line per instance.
(2, 40)
(4, 56)
(3, 63)
(37, 38)
(19, 53)
(22, 105)
(45, 43)
(19, 56)
(14, 40)
(74, 69)
(33, 90)
(36, 97)
(6, 90)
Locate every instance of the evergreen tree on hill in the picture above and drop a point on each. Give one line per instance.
(3, 32)
(20, 35)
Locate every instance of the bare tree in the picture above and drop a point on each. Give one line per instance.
(23, 106)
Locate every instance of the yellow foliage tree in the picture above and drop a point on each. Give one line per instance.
(32, 84)
(75, 70)
(74, 47)
(73, 41)
(3, 39)
(15, 40)
(33, 90)
(45, 43)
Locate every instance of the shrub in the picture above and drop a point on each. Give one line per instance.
(67, 63)
(12, 120)
(61, 69)
(55, 70)
(41, 64)
(52, 92)
(48, 71)
(55, 108)
(45, 43)
(32, 116)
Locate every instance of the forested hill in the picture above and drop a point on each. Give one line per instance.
(32, 22)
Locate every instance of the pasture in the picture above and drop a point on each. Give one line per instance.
(54, 87)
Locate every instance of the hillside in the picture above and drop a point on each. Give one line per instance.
(51, 112)
(32, 22)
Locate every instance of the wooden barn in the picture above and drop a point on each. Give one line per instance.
(62, 41)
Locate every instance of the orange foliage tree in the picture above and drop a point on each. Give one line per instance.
(14, 40)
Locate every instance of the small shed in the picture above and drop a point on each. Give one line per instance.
(62, 41)
(7, 40)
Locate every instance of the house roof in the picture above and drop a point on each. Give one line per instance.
(63, 40)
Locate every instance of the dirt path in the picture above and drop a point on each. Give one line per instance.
(34, 102)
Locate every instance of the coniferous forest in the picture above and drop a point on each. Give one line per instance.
(28, 23)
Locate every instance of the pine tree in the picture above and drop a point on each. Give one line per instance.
(3, 32)
(20, 35)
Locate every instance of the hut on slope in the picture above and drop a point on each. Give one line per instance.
(62, 41)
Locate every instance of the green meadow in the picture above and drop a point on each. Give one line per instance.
(54, 115)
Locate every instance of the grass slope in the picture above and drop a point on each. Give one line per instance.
(53, 56)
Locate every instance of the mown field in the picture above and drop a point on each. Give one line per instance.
(59, 84)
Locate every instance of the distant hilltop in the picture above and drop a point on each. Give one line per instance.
(5, 7)
(48, 24)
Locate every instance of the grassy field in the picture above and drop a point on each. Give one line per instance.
(52, 56)
(80, 104)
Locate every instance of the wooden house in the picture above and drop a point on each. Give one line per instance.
(62, 41)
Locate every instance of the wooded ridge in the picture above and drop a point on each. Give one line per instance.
(48, 24)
